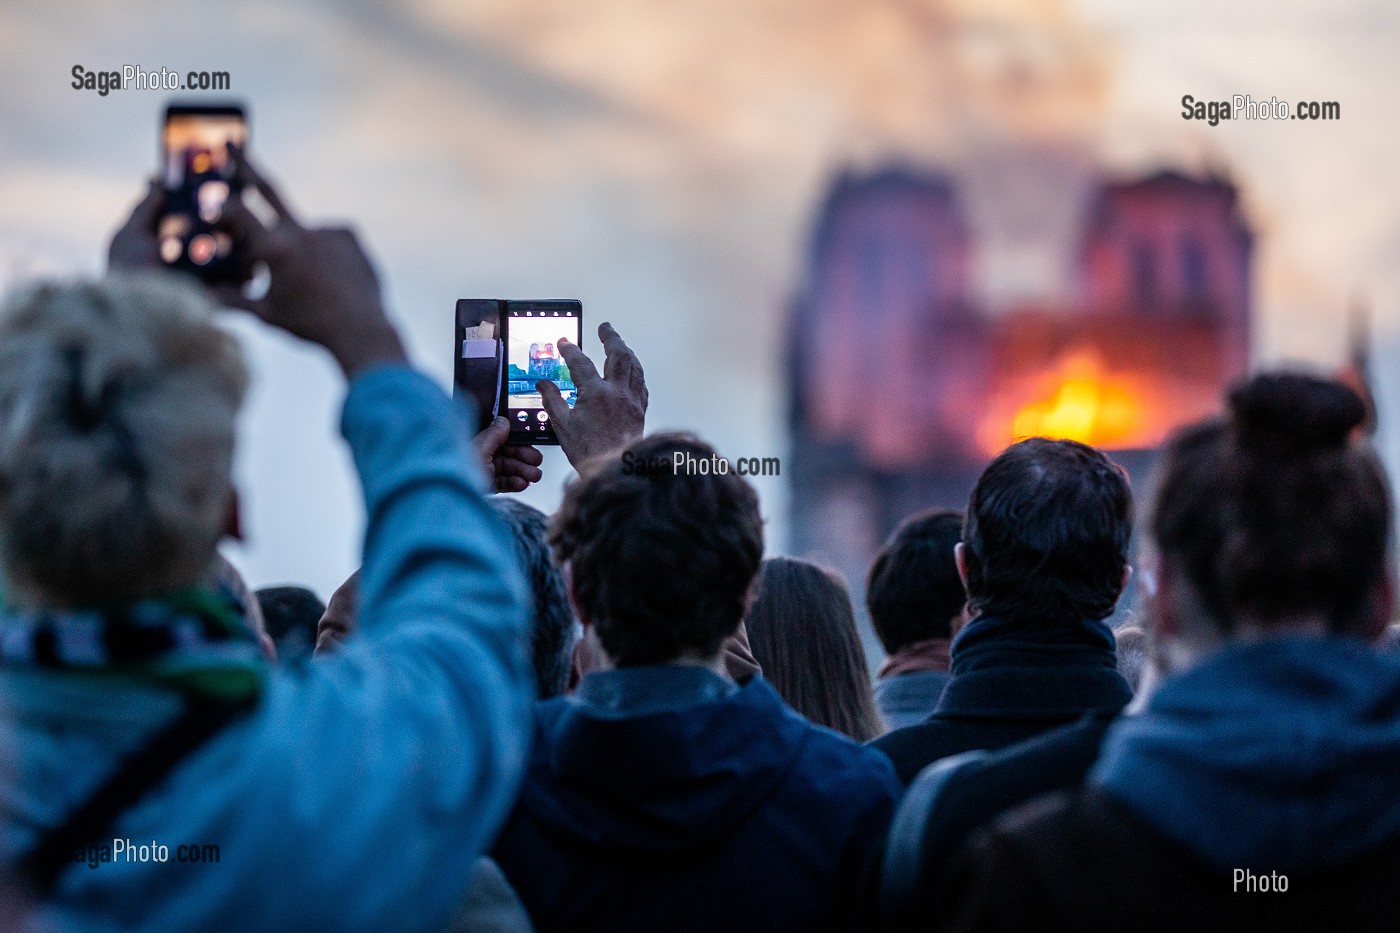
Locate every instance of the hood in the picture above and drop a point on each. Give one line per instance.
(1281, 755)
(660, 780)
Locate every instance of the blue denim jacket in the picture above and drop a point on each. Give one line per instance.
(360, 792)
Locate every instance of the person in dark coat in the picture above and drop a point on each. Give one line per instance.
(916, 602)
(661, 795)
(1044, 557)
(1258, 787)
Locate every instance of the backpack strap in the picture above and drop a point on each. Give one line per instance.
(902, 881)
(138, 774)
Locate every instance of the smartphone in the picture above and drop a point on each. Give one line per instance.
(531, 331)
(197, 172)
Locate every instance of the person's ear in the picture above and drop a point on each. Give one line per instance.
(233, 517)
(1158, 585)
(583, 620)
(750, 595)
(1383, 608)
(960, 560)
(1127, 578)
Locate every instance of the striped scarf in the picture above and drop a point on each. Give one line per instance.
(194, 641)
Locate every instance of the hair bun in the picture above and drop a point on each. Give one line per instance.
(1296, 411)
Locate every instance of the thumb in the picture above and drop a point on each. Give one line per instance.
(147, 211)
(492, 437)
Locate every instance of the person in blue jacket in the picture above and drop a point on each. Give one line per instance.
(161, 775)
(662, 795)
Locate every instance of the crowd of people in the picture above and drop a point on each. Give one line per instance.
(621, 717)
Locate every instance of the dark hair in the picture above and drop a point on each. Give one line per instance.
(913, 591)
(1276, 511)
(1047, 533)
(290, 615)
(661, 562)
(802, 630)
(551, 618)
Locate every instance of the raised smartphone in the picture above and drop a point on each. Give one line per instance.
(530, 332)
(197, 172)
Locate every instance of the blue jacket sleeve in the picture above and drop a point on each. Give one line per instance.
(361, 791)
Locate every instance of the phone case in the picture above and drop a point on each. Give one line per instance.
(480, 356)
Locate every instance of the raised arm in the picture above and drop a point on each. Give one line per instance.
(400, 754)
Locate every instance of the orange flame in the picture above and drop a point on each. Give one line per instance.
(1077, 398)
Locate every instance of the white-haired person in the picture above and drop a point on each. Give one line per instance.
(166, 776)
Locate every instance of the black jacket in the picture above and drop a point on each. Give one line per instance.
(1272, 759)
(1011, 681)
(951, 799)
(1081, 862)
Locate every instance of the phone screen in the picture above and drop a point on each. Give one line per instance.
(533, 353)
(198, 174)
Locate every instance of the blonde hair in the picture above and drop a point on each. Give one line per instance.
(118, 400)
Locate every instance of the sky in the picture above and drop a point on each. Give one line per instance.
(663, 162)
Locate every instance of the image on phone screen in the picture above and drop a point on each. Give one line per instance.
(197, 172)
(532, 354)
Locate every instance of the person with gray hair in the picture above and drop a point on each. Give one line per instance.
(552, 629)
(165, 770)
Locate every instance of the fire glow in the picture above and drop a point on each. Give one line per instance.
(1077, 397)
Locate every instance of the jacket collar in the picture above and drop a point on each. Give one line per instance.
(637, 691)
(1016, 669)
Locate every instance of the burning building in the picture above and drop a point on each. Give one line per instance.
(902, 386)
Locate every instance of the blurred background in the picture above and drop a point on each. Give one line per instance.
(874, 238)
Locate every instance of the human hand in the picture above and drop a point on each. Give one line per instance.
(508, 469)
(338, 621)
(134, 245)
(322, 286)
(610, 411)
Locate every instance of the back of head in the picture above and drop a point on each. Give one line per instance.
(913, 590)
(803, 632)
(291, 615)
(1277, 513)
(552, 620)
(660, 559)
(1047, 533)
(117, 407)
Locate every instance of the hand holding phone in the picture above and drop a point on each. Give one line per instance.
(610, 411)
(322, 286)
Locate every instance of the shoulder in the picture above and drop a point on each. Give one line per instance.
(913, 748)
(1000, 881)
(1052, 857)
(833, 765)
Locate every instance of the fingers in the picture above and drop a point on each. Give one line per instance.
(581, 368)
(531, 455)
(249, 173)
(554, 404)
(255, 240)
(638, 384)
(509, 468)
(148, 210)
(489, 441)
(618, 360)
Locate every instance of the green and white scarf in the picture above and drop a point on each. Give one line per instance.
(194, 641)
